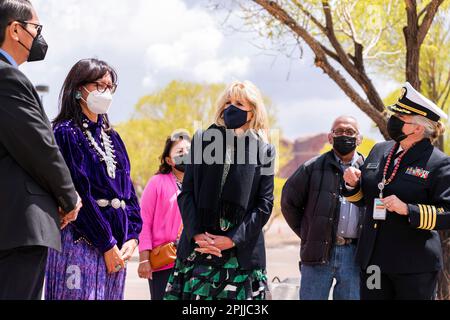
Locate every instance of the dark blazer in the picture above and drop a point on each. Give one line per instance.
(34, 179)
(248, 236)
(310, 204)
(400, 244)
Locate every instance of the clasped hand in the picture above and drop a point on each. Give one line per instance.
(212, 244)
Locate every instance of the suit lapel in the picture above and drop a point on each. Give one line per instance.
(385, 156)
(33, 89)
(388, 150)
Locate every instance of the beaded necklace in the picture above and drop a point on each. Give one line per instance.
(106, 156)
(385, 182)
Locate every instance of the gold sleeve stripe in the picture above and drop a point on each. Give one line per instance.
(425, 217)
(434, 217)
(421, 216)
(355, 198)
(430, 217)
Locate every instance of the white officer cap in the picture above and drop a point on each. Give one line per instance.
(411, 102)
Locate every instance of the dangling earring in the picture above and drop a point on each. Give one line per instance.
(78, 95)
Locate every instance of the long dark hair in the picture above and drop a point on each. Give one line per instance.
(83, 72)
(164, 167)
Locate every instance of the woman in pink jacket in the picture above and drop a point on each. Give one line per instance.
(160, 214)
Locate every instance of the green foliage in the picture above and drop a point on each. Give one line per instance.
(285, 154)
(176, 107)
(435, 63)
(179, 106)
(375, 27)
(144, 140)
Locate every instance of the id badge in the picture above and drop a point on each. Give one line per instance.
(379, 210)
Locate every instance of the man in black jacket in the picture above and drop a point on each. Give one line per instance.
(327, 224)
(34, 179)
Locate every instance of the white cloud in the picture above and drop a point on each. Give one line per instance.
(152, 42)
(149, 42)
(217, 70)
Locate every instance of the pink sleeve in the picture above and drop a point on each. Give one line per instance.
(148, 206)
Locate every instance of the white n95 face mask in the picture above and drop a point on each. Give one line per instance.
(99, 102)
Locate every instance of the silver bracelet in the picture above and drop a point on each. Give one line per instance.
(145, 261)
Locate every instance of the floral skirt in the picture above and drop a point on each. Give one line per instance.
(206, 277)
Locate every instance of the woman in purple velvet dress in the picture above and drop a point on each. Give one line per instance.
(96, 247)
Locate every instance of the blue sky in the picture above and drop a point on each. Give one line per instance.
(151, 43)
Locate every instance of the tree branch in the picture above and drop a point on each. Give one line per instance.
(310, 16)
(331, 53)
(447, 85)
(349, 21)
(321, 61)
(356, 69)
(379, 53)
(412, 44)
(424, 10)
(431, 10)
(446, 95)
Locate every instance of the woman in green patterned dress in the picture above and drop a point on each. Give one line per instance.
(226, 199)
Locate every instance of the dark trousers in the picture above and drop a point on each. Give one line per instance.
(158, 284)
(22, 272)
(416, 286)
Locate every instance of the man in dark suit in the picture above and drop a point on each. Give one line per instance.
(37, 196)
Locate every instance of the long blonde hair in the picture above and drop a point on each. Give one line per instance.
(245, 91)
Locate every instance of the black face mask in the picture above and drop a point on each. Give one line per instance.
(234, 117)
(344, 145)
(38, 48)
(179, 163)
(395, 129)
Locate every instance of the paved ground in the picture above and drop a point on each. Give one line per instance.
(282, 249)
(282, 261)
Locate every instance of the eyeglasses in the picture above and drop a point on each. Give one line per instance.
(37, 26)
(345, 132)
(102, 87)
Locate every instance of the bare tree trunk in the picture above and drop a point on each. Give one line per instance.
(412, 61)
(415, 35)
(418, 25)
(372, 108)
(411, 32)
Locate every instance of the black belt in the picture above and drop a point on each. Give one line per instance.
(341, 241)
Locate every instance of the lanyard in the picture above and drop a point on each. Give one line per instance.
(385, 182)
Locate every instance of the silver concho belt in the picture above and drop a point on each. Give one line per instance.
(115, 203)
